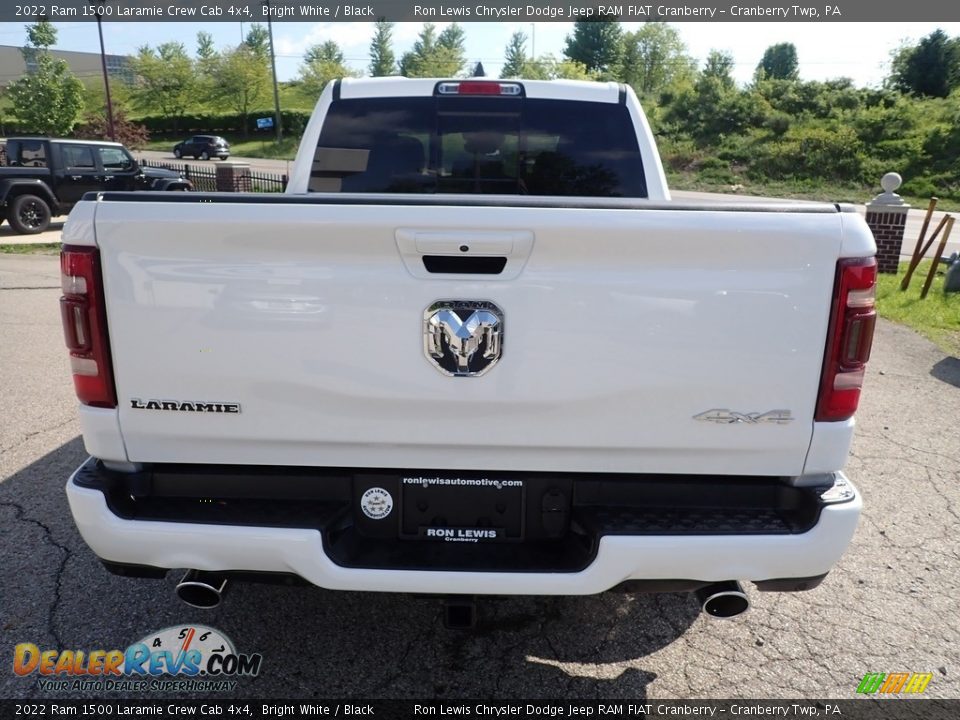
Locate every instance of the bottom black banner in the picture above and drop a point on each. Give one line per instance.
(859, 709)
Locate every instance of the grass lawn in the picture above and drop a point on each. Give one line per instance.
(937, 317)
(29, 249)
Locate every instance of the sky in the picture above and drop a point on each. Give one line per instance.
(826, 50)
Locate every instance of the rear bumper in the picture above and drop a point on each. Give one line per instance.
(653, 560)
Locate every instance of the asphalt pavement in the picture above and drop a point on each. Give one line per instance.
(890, 605)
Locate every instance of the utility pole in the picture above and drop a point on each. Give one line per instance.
(273, 67)
(106, 78)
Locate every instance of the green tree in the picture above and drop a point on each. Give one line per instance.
(327, 51)
(931, 67)
(719, 65)
(242, 81)
(547, 67)
(50, 98)
(382, 60)
(166, 81)
(515, 58)
(655, 58)
(714, 109)
(573, 70)
(258, 40)
(41, 35)
(433, 56)
(204, 65)
(426, 44)
(779, 62)
(322, 63)
(205, 48)
(595, 44)
(453, 38)
(804, 100)
(95, 95)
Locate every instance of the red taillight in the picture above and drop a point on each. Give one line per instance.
(852, 319)
(85, 326)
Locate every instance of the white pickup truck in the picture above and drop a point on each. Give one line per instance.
(474, 349)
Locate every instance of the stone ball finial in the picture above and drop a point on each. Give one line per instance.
(889, 198)
(891, 182)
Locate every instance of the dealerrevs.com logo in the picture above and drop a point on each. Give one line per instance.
(182, 658)
(894, 683)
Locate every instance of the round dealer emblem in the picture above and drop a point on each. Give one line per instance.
(376, 503)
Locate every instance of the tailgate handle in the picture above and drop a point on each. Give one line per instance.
(464, 265)
(439, 253)
(468, 243)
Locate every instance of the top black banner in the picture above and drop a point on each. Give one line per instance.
(467, 11)
(167, 708)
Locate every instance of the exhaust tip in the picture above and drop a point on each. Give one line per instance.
(723, 600)
(201, 590)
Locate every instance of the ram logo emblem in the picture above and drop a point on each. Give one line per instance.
(463, 338)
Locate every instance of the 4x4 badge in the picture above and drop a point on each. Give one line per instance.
(731, 417)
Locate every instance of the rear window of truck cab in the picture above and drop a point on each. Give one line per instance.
(478, 145)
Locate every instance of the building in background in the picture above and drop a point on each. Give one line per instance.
(84, 65)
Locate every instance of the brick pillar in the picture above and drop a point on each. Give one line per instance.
(233, 177)
(887, 218)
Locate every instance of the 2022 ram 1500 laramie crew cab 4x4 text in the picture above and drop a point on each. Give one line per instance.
(475, 348)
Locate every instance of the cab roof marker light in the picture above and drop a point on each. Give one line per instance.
(476, 87)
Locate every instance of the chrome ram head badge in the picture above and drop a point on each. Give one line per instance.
(463, 338)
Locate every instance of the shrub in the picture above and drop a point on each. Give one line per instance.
(131, 134)
(811, 152)
(715, 170)
(293, 120)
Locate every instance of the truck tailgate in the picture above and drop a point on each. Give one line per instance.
(621, 326)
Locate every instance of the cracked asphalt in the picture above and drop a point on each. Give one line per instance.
(890, 605)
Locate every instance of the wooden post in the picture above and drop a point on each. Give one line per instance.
(915, 258)
(919, 256)
(936, 259)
